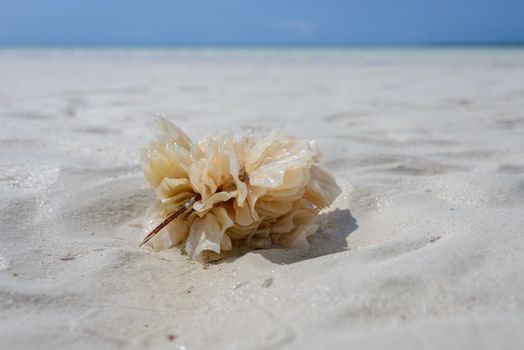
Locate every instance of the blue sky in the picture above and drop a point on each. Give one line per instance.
(261, 22)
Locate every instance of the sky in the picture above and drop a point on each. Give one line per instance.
(260, 22)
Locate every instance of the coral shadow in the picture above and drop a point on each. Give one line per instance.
(335, 228)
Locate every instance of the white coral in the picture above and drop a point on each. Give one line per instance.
(257, 191)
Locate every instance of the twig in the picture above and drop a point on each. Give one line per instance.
(188, 204)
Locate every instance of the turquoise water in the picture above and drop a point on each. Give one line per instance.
(254, 53)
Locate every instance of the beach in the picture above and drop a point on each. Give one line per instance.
(424, 248)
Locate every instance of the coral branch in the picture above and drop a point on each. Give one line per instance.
(182, 209)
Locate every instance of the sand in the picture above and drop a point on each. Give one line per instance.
(423, 250)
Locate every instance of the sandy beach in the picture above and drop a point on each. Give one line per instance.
(424, 249)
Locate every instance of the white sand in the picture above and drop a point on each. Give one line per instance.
(423, 250)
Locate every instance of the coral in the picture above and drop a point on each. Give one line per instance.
(256, 191)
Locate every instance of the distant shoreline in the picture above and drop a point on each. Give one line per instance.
(465, 45)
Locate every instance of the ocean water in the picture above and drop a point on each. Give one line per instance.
(319, 55)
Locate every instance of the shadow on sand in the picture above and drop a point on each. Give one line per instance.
(335, 228)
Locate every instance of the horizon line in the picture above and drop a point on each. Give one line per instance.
(480, 43)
